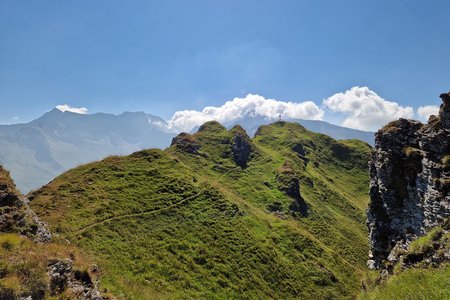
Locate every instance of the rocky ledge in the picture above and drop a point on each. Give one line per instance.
(15, 214)
(17, 217)
(410, 183)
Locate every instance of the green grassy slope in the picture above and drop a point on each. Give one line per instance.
(186, 223)
(421, 284)
(419, 279)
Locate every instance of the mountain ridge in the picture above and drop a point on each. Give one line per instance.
(37, 151)
(215, 215)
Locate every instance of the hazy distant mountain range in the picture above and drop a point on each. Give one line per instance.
(38, 151)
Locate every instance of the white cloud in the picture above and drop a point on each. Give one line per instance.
(424, 112)
(15, 118)
(77, 110)
(250, 106)
(365, 110)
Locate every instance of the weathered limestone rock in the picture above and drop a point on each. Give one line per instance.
(444, 112)
(63, 277)
(186, 142)
(241, 146)
(410, 183)
(15, 214)
(289, 183)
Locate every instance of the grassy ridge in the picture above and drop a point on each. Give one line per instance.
(187, 224)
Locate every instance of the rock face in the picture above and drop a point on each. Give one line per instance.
(289, 183)
(15, 215)
(186, 142)
(410, 183)
(444, 111)
(241, 146)
(8, 193)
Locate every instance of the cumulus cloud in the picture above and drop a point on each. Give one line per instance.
(77, 110)
(365, 110)
(250, 106)
(424, 112)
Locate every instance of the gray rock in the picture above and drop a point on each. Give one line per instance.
(288, 182)
(63, 277)
(410, 183)
(241, 146)
(444, 112)
(186, 142)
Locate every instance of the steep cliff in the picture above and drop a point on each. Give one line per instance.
(410, 183)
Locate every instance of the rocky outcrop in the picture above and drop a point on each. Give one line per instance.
(289, 183)
(299, 149)
(15, 214)
(186, 143)
(444, 112)
(17, 217)
(8, 193)
(213, 139)
(63, 277)
(410, 183)
(241, 146)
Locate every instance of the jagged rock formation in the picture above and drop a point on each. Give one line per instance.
(186, 142)
(289, 183)
(17, 217)
(64, 277)
(410, 183)
(241, 146)
(299, 149)
(15, 214)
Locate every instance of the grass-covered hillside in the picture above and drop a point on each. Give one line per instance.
(221, 215)
(423, 271)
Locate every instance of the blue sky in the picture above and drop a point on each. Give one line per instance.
(165, 56)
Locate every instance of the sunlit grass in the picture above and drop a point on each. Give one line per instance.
(168, 224)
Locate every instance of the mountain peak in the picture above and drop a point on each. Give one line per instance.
(55, 111)
(444, 111)
(212, 126)
(52, 114)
